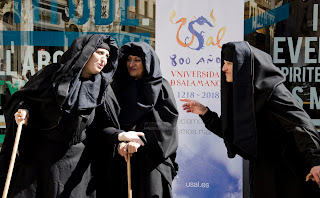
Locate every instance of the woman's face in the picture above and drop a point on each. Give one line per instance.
(95, 63)
(135, 66)
(227, 69)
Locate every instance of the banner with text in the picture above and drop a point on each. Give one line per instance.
(189, 37)
(296, 52)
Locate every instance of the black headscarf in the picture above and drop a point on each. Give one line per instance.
(47, 97)
(254, 79)
(53, 89)
(137, 97)
(148, 99)
(228, 53)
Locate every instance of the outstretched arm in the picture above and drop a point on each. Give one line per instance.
(297, 122)
(209, 118)
(193, 106)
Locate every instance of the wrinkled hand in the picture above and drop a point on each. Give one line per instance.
(132, 147)
(131, 136)
(22, 115)
(128, 148)
(122, 150)
(193, 106)
(314, 174)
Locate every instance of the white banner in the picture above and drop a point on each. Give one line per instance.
(189, 36)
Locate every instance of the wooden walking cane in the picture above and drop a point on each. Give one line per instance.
(13, 158)
(129, 177)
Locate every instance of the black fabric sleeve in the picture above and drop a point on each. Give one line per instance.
(212, 122)
(104, 127)
(32, 119)
(164, 125)
(108, 118)
(161, 132)
(296, 121)
(111, 134)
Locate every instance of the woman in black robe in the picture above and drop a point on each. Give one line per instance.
(148, 105)
(63, 105)
(262, 122)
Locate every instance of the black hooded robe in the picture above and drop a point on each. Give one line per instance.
(262, 122)
(147, 105)
(57, 146)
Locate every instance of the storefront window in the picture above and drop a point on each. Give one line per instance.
(288, 31)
